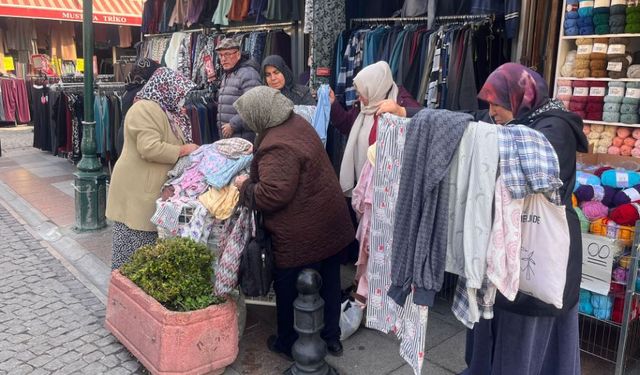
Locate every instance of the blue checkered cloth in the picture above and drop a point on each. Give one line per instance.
(528, 162)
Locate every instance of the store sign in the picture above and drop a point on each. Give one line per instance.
(80, 65)
(597, 262)
(8, 63)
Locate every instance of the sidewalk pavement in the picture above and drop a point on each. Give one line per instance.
(37, 196)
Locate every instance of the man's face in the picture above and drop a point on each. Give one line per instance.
(229, 58)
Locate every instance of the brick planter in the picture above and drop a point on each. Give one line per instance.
(168, 342)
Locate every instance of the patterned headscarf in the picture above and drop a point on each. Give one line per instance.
(142, 71)
(168, 89)
(516, 88)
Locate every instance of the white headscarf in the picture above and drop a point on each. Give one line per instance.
(375, 82)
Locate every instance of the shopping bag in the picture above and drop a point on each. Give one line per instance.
(350, 318)
(544, 252)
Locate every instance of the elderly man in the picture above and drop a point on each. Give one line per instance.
(241, 74)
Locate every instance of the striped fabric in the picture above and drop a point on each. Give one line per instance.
(113, 12)
(408, 323)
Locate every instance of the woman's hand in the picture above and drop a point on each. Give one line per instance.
(390, 106)
(240, 180)
(188, 149)
(227, 131)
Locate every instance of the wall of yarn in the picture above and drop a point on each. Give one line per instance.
(606, 202)
(614, 58)
(599, 17)
(613, 140)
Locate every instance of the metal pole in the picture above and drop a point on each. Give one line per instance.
(630, 294)
(90, 182)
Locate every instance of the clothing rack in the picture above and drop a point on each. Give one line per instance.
(467, 17)
(413, 20)
(235, 29)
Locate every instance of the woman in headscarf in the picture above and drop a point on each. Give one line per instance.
(157, 133)
(139, 75)
(377, 93)
(527, 336)
(294, 186)
(277, 75)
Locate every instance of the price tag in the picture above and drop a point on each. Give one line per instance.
(581, 91)
(597, 91)
(614, 66)
(633, 93)
(586, 4)
(616, 91)
(622, 179)
(617, 49)
(633, 195)
(80, 65)
(585, 49)
(8, 63)
(599, 48)
(564, 90)
(597, 262)
(436, 61)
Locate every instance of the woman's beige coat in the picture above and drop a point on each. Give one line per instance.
(150, 151)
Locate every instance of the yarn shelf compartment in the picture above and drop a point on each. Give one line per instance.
(602, 79)
(594, 122)
(569, 37)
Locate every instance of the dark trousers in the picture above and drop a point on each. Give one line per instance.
(285, 287)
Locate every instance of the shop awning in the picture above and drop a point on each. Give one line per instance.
(113, 12)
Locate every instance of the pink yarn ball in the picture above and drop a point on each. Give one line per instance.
(613, 150)
(586, 129)
(631, 142)
(625, 150)
(617, 142)
(636, 134)
(594, 210)
(637, 143)
(623, 132)
(635, 152)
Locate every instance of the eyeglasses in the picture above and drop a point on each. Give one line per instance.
(226, 55)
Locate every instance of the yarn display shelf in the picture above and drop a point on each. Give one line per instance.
(593, 122)
(601, 79)
(606, 321)
(569, 37)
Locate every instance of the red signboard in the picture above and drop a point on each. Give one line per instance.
(114, 12)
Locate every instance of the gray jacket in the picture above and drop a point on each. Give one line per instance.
(244, 77)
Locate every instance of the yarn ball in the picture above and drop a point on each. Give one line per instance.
(574, 200)
(610, 130)
(636, 133)
(602, 306)
(628, 195)
(620, 274)
(625, 150)
(623, 132)
(617, 142)
(627, 214)
(586, 129)
(598, 173)
(629, 142)
(614, 150)
(620, 178)
(598, 128)
(635, 152)
(594, 210)
(584, 305)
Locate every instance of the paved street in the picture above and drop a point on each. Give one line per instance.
(49, 321)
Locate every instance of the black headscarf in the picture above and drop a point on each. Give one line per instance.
(298, 94)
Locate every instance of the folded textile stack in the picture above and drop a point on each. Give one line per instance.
(579, 99)
(601, 9)
(595, 100)
(571, 18)
(583, 57)
(632, 19)
(564, 92)
(617, 16)
(569, 67)
(585, 19)
(598, 63)
(630, 103)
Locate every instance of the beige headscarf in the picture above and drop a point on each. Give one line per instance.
(375, 82)
(262, 108)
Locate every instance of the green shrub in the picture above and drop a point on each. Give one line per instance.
(176, 272)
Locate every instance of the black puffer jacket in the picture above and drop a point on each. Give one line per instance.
(244, 77)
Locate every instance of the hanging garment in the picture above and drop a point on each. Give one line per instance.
(179, 13)
(362, 204)
(419, 252)
(239, 10)
(220, 16)
(408, 322)
(237, 234)
(63, 43)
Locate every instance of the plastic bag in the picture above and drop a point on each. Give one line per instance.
(350, 319)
